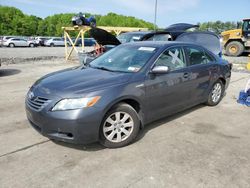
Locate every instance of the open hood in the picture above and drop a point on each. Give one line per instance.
(208, 40)
(180, 27)
(103, 37)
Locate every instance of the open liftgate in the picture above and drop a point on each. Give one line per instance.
(83, 29)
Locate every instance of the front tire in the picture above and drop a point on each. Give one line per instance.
(11, 45)
(216, 93)
(234, 48)
(52, 45)
(31, 45)
(120, 126)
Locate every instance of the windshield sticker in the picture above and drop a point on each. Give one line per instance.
(150, 49)
(133, 69)
(136, 38)
(109, 60)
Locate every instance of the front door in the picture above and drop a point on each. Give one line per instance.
(169, 92)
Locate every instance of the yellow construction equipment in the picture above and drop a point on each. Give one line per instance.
(248, 64)
(237, 41)
(83, 29)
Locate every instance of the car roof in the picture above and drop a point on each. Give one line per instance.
(158, 44)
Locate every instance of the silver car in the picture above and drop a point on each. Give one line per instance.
(55, 42)
(18, 42)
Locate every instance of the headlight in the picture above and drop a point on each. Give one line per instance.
(71, 104)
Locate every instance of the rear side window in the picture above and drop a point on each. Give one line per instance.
(172, 58)
(160, 37)
(198, 56)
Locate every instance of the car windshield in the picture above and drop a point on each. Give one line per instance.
(125, 37)
(124, 58)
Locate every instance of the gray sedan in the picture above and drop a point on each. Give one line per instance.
(113, 97)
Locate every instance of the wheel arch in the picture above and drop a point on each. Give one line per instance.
(133, 102)
(223, 80)
(11, 43)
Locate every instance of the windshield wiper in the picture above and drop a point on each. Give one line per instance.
(102, 68)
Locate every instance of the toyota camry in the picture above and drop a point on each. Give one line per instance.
(114, 96)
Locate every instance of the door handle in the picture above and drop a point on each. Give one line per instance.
(186, 75)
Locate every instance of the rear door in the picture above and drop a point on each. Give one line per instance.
(17, 42)
(169, 92)
(202, 66)
(24, 42)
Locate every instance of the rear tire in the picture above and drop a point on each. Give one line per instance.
(120, 126)
(11, 45)
(234, 48)
(216, 93)
(31, 45)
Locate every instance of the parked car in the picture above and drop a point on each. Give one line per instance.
(119, 92)
(131, 36)
(168, 34)
(5, 38)
(41, 40)
(1, 41)
(18, 42)
(87, 42)
(55, 42)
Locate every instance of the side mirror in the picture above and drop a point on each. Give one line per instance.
(160, 70)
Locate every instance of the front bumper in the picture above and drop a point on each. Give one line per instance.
(72, 126)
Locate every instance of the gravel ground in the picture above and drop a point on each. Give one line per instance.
(239, 63)
(200, 147)
(22, 55)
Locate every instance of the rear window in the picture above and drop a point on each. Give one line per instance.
(197, 56)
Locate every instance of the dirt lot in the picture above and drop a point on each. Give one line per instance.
(23, 55)
(201, 147)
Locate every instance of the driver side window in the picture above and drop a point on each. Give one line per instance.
(172, 58)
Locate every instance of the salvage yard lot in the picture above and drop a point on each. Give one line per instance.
(203, 146)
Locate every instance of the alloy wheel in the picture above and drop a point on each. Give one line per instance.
(118, 127)
(216, 92)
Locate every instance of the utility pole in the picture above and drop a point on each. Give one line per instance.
(155, 15)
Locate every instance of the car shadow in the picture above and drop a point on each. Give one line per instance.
(96, 146)
(8, 72)
(165, 120)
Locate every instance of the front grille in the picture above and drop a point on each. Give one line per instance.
(37, 103)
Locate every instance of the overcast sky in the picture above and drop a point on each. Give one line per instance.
(169, 11)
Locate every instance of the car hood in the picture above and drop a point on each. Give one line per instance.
(75, 82)
(103, 37)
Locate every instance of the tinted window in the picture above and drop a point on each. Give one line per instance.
(16, 39)
(172, 58)
(160, 37)
(197, 56)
